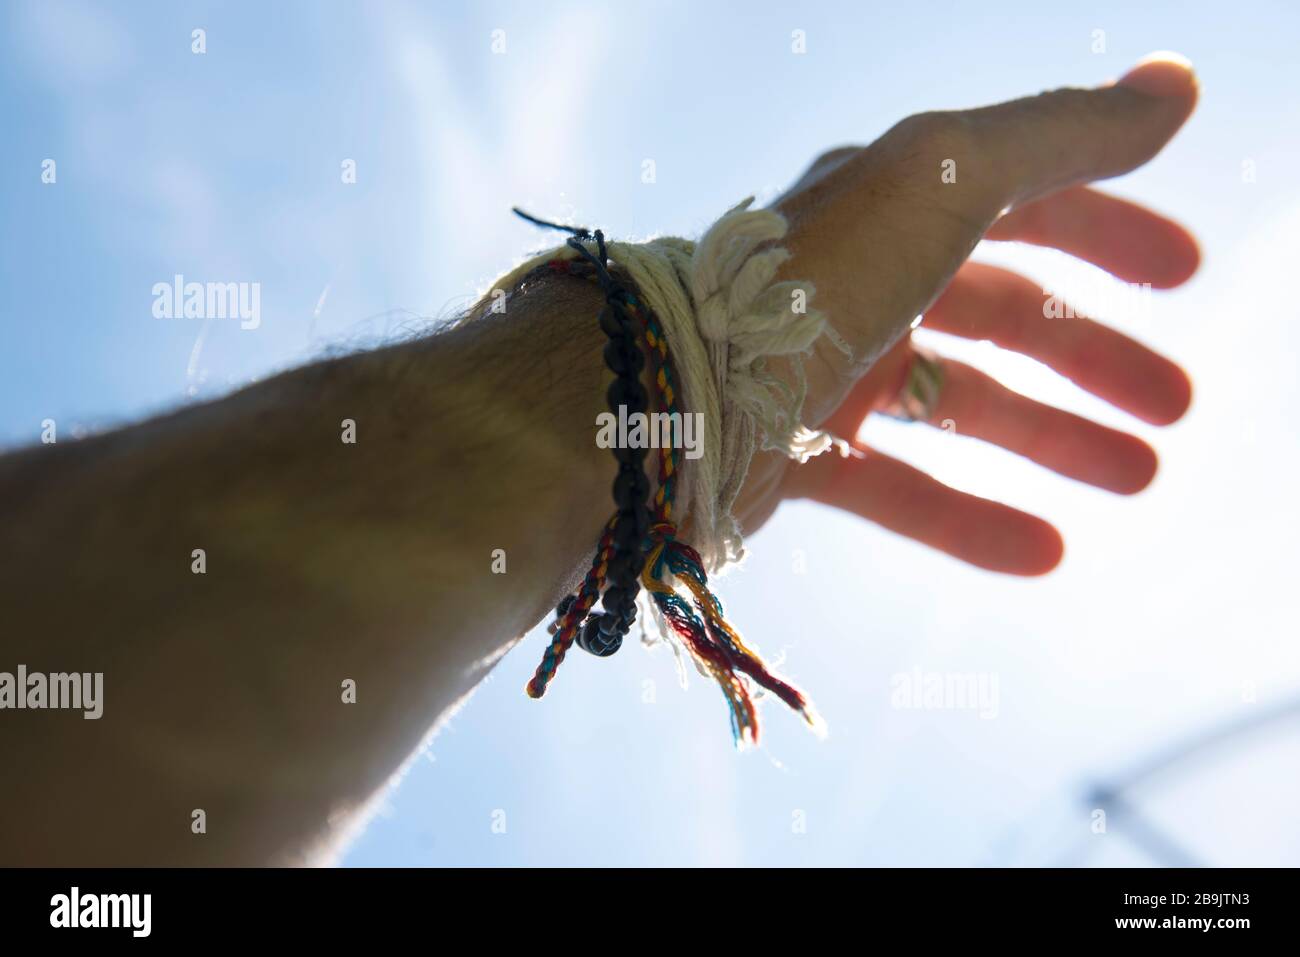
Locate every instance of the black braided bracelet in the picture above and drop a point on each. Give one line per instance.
(602, 634)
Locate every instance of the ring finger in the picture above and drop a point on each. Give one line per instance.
(978, 405)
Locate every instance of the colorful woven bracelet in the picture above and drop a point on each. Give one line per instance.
(694, 614)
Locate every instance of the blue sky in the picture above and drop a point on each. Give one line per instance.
(1173, 610)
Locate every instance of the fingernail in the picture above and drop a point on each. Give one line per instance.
(1161, 74)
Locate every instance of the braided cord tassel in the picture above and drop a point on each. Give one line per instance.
(705, 632)
(566, 628)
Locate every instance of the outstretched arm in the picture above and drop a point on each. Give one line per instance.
(322, 561)
(325, 561)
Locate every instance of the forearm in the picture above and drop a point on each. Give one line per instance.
(324, 561)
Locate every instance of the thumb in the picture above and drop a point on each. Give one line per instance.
(1029, 147)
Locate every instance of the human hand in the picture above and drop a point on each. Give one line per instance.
(884, 238)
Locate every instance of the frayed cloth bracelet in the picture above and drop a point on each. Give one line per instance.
(718, 305)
